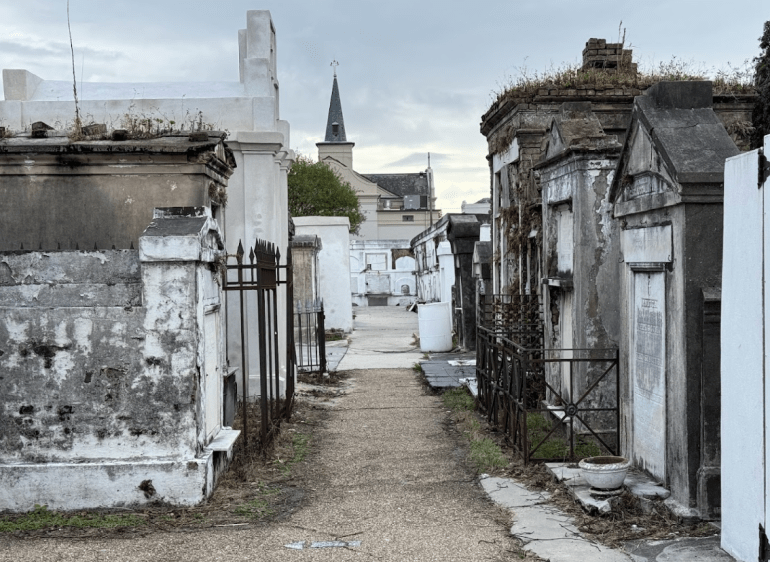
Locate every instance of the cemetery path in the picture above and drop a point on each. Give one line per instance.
(385, 469)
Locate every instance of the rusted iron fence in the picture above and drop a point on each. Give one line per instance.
(518, 317)
(255, 281)
(310, 336)
(551, 404)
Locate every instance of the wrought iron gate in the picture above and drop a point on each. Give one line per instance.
(256, 284)
(519, 393)
(310, 336)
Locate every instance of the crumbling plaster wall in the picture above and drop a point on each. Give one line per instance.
(248, 108)
(98, 360)
(102, 376)
(579, 183)
(304, 261)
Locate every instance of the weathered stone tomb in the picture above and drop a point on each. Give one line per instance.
(667, 196)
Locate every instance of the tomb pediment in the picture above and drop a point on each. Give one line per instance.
(643, 172)
(556, 144)
(576, 127)
(675, 151)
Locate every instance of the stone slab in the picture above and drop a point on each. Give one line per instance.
(576, 550)
(511, 494)
(441, 374)
(705, 549)
(472, 385)
(542, 523)
(645, 487)
(544, 529)
(334, 354)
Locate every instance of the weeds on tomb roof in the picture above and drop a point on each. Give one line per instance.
(528, 83)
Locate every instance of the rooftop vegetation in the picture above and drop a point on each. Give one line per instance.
(527, 84)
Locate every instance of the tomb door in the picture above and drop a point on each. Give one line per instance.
(212, 375)
(648, 370)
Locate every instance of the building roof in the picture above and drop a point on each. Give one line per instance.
(402, 184)
(689, 136)
(335, 117)
(684, 130)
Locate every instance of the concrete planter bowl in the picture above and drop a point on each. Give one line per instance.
(605, 473)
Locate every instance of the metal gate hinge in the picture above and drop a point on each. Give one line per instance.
(764, 170)
(764, 546)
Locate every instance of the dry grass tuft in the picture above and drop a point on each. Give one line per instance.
(527, 83)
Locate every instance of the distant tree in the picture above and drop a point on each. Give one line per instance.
(761, 116)
(316, 190)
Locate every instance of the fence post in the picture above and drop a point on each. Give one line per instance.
(321, 335)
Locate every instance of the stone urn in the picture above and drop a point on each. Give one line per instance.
(605, 473)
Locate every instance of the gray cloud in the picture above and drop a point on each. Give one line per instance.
(414, 76)
(418, 159)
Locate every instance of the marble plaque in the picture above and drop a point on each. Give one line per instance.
(378, 262)
(648, 371)
(377, 284)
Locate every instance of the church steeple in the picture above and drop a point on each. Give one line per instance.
(336, 145)
(335, 124)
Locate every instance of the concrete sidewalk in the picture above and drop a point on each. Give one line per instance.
(542, 528)
(382, 338)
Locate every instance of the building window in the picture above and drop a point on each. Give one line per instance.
(407, 218)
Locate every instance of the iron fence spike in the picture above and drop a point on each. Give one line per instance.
(21, 246)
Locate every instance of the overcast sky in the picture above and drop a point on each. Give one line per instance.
(415, 76)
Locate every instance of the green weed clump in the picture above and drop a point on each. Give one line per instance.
(40, 518)
(458, 399)
(258, 507)
(300, 444)
(555, 447)
(486, 454)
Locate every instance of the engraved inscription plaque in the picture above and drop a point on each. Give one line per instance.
(648, 371)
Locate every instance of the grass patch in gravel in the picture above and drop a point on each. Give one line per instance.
(41, 517)
(457, 399)
(486, 454)
(258, 507)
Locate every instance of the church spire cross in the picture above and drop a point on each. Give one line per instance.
(334, 64)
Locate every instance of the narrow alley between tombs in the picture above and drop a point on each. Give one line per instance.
(386, 477)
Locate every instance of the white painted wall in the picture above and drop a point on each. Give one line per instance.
(446, 272)
(248, 109)
(744, 318)
(386, 282)
(333, 267)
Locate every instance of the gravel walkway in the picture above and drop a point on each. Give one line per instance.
(385, 472)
